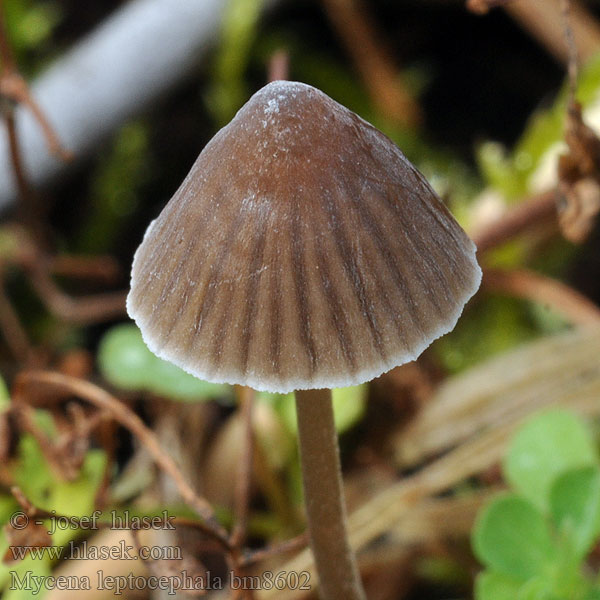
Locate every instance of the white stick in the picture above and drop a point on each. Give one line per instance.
(136, 55)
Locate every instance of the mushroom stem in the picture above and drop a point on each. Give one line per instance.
(324, 497)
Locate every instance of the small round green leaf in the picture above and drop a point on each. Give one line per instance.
(575, 507)
(490, 585)
(125, 361)
(168, 380)
(512, 538)
(538, 588)
(543, 448)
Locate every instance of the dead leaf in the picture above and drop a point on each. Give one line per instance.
(578, 201)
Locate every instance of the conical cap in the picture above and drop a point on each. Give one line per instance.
(302, 251)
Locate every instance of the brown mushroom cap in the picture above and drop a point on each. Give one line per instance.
(302, 251)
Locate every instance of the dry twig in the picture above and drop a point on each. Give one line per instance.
(293, 545)
(374, 65)
(279, 66)
(529, 213)
(83, 310)
(522, 283)
(57, 459)
(28, 382)
(15, 90)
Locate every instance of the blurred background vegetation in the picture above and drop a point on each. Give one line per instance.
(477, 102)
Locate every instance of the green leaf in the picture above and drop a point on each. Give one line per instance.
(29, 25)
(4, 395)
(511, 537)
(45, 490)
(126, 362)
(123, 358)
(505, 321)
(593, 594)
(544, 447)
(541, 140)
(170, 381)
(491, 585)
(238, 34)
(8, 505)
(348, 407)
(575, 507)
(497, 168)
(538, 588)
(77, 498)
(16, 578)
(32, 474)
(116, 189)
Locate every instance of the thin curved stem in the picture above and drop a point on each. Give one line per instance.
(324, 497)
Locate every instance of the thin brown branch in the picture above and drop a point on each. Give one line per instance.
(29, 381)
(98, 268)
(379, 74)
(66, 454)
(543, 19)
(575, 307)
(14, 88)
(292, 545)
(107, 437)
(82, 310)
(530, 213)
(14, 91)
(572, 68)
(52, 141)
(482, 7)
(279, 66)
(17, 164)
(27, 204)
(244, 476)
(26, 422)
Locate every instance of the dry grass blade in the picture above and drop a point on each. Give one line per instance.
(558, 369)
(437, 519)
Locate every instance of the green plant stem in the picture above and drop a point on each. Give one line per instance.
(324, 497)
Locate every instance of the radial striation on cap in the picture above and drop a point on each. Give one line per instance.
(302, 251)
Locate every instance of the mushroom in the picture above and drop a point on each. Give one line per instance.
(302, 252)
